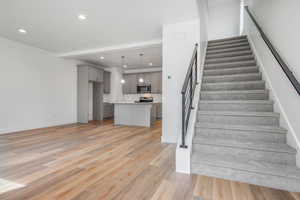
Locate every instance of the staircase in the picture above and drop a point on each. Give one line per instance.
(237, 135)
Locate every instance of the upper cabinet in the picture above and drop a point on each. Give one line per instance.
(95, 74)
(106, 80)
(148, 79)
(156, 82)
(132, 80)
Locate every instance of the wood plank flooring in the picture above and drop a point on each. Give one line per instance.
(102, 161)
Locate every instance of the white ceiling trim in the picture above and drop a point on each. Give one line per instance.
(112, 48)
(134, 71)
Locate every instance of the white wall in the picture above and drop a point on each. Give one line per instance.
(278, 20)
(37, 89)
(183, 155)
(203, 15)
(224, 19)
(178, 44)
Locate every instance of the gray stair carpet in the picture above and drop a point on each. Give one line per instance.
(237, 133)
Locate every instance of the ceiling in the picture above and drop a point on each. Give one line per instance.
(112, 58)
(53, 24)
(212, 3)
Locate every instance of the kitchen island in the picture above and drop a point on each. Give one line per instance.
(134, 114)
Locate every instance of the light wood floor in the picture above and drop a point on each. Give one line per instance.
(103, 161)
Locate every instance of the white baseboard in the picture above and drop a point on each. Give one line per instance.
(284, 121)
(183, 160)
(4, 131)
(13, 130)
(169, 140)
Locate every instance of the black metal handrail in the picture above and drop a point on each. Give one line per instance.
(280, 61)
(187, 92)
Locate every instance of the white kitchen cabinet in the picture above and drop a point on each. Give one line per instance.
(129, 87)
(95, 74)
(159, 111)
(148, 78)
(106, 82)
(156, 82)
(108, 110)
(132, 80)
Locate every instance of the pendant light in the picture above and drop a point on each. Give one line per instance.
(141, 59)
(124, 65)
(141, 79)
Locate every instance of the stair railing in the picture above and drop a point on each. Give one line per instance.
(187, 92)
(280, 61)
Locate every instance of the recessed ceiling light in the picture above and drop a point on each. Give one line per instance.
(122, 81)
(102, 57)
(22, 31)
(81, 17)
(125, 66)
(150, 64)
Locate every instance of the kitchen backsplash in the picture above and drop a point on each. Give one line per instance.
(131, 97)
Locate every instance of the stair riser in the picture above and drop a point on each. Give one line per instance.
(234, 86)
(251, 107)
(227, 39)
(213, 44)
(239, 120)
(236, 96)
(245, 44)
(276, 182)
(250, 77)
(230, 72)
(252, 166)
(236, 49)
(230, 59)
(230, 54)
(225, 65)
(248, 154)
(238, 135)
(229, 67)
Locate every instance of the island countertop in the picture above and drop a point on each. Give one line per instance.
(136, 103)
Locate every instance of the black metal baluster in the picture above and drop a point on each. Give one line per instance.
(187, 98)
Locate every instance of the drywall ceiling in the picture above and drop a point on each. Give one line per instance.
(213, 3)
(53, 24)
(112, 58)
